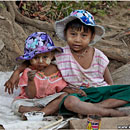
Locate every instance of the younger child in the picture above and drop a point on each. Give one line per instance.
(41, 83)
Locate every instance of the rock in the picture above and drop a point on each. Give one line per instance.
(110, 123)
(1, 45)
(114, 50)
(122, 75)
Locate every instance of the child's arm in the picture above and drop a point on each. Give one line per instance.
(13, 81)
(70, 90)
(107, 77)
(30, 89)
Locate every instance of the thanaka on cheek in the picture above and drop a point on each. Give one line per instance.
(48, 61)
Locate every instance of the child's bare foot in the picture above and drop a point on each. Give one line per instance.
(23, 116)
(113, 113)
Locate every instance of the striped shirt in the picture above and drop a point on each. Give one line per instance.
(76, 75)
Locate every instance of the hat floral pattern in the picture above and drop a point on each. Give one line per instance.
(36, 43)
(84, 16)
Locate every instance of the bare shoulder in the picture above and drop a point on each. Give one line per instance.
(51, 69)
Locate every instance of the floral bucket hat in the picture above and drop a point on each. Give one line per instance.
(36, 43)
(86, 18)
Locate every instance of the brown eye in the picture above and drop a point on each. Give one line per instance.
(84, 35)
(73, 34)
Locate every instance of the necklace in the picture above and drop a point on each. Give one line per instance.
(80, 55)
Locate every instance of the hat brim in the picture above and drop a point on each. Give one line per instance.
(30, 55)
(61, 24)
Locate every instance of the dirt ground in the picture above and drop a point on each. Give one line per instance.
(116, 21)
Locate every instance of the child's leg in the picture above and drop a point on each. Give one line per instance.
(23, 109)
(73, 104)
(53, 106)
(111, 103)
(20, 106)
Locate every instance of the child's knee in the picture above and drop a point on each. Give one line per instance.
(71, 102)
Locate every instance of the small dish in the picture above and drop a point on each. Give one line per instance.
(34, 116)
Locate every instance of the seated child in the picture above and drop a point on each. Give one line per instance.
(41, 83)
(86, 68)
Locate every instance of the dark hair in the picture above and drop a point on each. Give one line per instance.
(76, 24)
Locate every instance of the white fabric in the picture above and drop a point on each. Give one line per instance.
(13, 122)
(42, 102)
(77, 76)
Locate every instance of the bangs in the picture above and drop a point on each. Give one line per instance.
(77, 25)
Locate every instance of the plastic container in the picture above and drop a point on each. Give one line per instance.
(34, 116)
(93, 122)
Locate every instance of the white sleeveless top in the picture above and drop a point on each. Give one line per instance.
(77, 76)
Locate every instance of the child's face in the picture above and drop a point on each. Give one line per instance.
(78, 40)
(42, 60)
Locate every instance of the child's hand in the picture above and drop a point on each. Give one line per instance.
(12, 83)
(31, 75)
(81, 92)
(74, 90)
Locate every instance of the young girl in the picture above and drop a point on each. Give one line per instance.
(41, 82)
(84, 68)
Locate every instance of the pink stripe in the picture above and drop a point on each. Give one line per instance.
(69, 75)
(74, 82)
(70, 69)
(60, 62)
(94, 72)
(98, 84)
(62, 55)
(98, 65)
(97, 77)
(101, 58)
